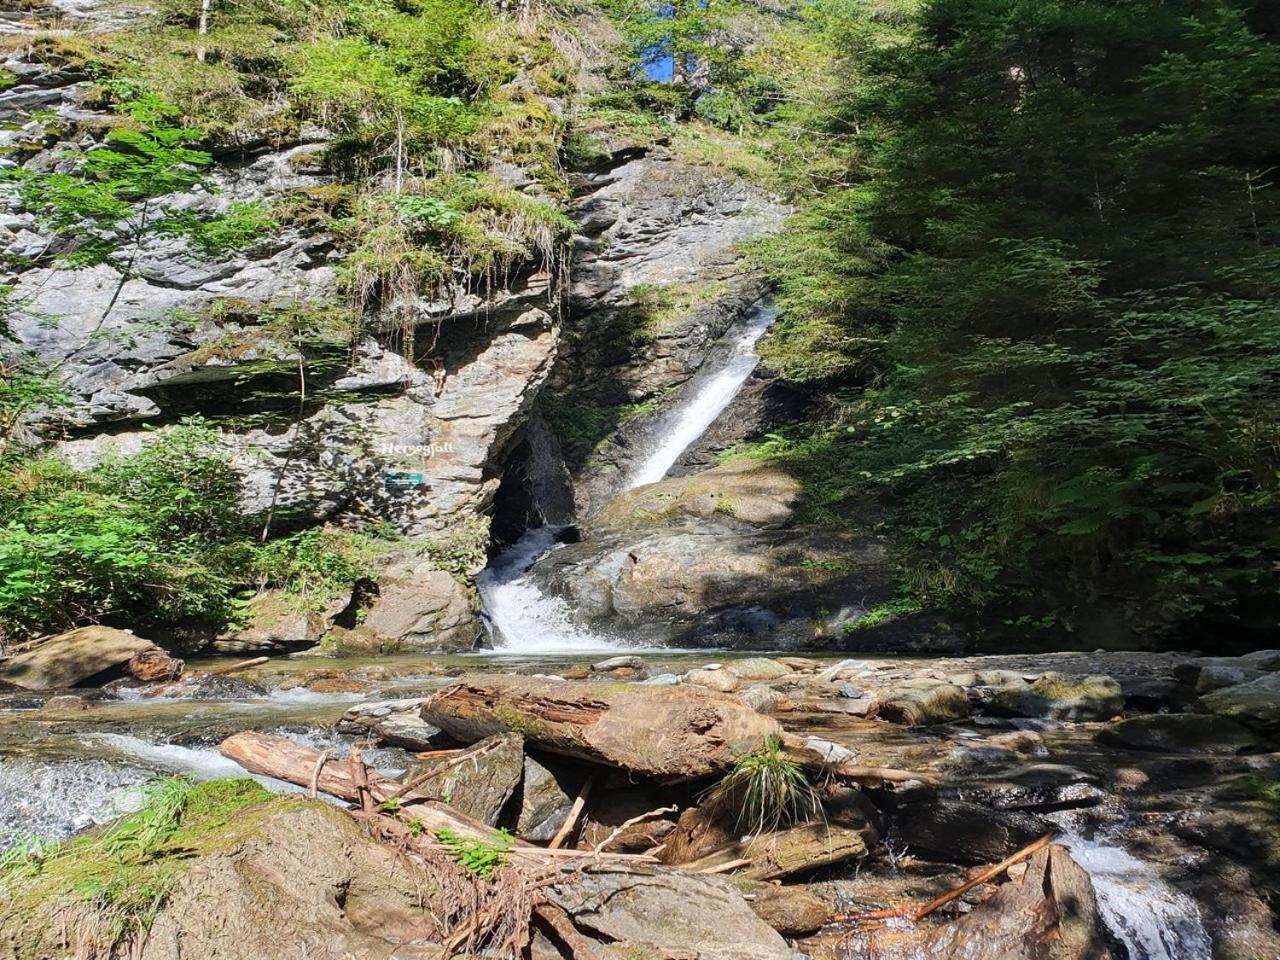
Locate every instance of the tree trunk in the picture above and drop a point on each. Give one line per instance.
(673, 733)
(283, 759)
(776, 855)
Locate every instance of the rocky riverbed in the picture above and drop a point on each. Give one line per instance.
(1152, 773)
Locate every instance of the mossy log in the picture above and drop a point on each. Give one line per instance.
(773, 856)
(673, 733)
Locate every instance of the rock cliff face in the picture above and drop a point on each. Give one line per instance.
(314, 423)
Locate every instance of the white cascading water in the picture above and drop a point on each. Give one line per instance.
(1153, 920)
(523, 618)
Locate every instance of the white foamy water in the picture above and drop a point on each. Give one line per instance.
(706, 397)
(1153, 920)
(523, 617)
(527, 620)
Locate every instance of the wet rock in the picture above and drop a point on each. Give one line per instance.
(1255, 704)
(618, 663)
(759, 668)
(1155, 693)
(849, 692)
(1050, 913)
(153, 666)
(659, 912)
(481, 785)
(924, 701)
(1179, 733)
(218, 688)
(544, 804)
(1268, 660)
(850, 807)
(763, 699)
(396, 723)
(1054, 696)
(66, 702)
(336, 685)
(799, 664)
(793, 911)
(1039, 787)
(724, 681)
(957, 831)
(72, 658)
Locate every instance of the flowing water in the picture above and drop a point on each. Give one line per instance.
(524, 619)
(1153, 920)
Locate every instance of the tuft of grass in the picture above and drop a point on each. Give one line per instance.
(765, 791)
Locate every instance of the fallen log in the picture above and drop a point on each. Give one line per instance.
(670, 732)
(281, 758)
(233, 667)
(772, 856)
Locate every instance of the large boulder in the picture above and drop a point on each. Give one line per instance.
(286, 878)
(544, 803)
(663, 911)
(420, 607)
(279, 622)
(74, 657)
(396, 723)
(480, 780)
(1255, 704)
(705, 560)
(1179, 733)
(1054, 696)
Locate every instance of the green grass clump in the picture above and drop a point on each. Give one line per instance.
(109, 886)
(765, 790)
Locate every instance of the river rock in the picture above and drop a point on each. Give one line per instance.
(1255, 704)
(725, 681)
(294, 879)
(765, 699)
(483, 782)
(655, 911)
(759, 668)
(1050, 913)
(617, 663)
(396, 723)
(1179, 733)
(957, 831)
(1216, 676)
(153, 666)
(924, 701)
(544, 803)
(791, 910)
(1039, 787)
(72, 658)
(1054, 696)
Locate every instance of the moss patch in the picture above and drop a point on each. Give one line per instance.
(100, 891)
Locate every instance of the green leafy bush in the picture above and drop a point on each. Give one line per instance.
(155, 536)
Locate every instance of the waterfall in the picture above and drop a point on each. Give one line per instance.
(1153, 920)
(706, 396)
(524, 619)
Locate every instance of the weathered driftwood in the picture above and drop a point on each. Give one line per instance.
(675, 732)
(283, 759)
(771, 856)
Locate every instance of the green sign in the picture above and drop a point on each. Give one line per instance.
(403, 481)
